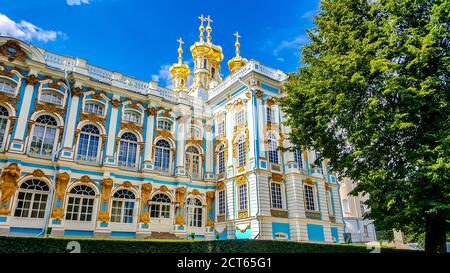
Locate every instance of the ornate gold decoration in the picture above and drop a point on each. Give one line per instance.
(243, 230)
(103, 216)
(309, 181)
(166, 113)
(115, 103)
(195, 192)
(58, 213)
(279, 213)
(12, 122)
(179, 196)
(31, 80)
(197, 142)
(146, 190)
(270, 101)
(131, 126)
(62, 180)
(163, 188)
(11, 100)
(242, 214)
(49, 107)
(97, 96)
(220, 186)
(85, 179)
(248, 94)
(276, 177)
(220, 218)
(241, 169)
(37, 173)
(164, 133)
(327, 186)
(8, 186)
(209, 200)
(92, 118)
(241, 179)
(77, 91)
(16, 54)
(259, 94)
(228, 106)
(239, 103)
(127, 184)
(210, 223)
(151, 111)
(106, 189)
(179, 220)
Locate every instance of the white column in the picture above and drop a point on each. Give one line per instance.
(113, 122)
(295, 197)
(260, 112)
(31, 81)
(181, 143)
(149, 136)
(230, 199)
(251, 128)
(72, 119)
(209, 156)
(229, 123)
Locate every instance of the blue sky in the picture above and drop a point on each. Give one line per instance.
(138, 37)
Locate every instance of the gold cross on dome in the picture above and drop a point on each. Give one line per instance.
(180, 41)
(208, 19)
(237, 36)
(202, 19)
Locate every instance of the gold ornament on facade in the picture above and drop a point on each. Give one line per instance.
(308, 181)
(37, 173)
(49, 107)
(115, 103)
(127, 184)
(179, 220)
(77, 91)
(276, 177)
(131, 126)
(259, 94)
(195, 192)
(103, 216)
(92, 118)
(85, 179)
(62, 180)
(270, 101)
(241, 179)
(220, 186)
(31, 80)
(163, 188)
(58, 213)
(164, 134)
(8, 186)
(210, 223)
(54, 85)
(242, 214)
(209, 200)
(279, 213)
(195, 142)
(179, 196)
(107, 184)
(11, 125)
(146, 190)
(16, 54)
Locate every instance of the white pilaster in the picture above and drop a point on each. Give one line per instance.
(148, 148)
(181, 143)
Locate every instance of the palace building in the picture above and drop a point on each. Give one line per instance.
(85, 151)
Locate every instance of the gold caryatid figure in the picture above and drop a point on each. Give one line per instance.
(8, 186)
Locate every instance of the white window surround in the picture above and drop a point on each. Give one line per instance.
(5, 113)
(5, 85)
(314, 195)
(50, 95)
(281, 197)
(165, 124)
(221, 207)
(132, 115)
(94, 101)
(89, 135)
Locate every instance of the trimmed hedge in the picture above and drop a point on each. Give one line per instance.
(59, 245)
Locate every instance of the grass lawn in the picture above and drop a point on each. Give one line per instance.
(98, 245)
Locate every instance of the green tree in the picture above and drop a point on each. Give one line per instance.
(373, 97)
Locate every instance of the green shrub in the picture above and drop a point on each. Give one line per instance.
(59, 245)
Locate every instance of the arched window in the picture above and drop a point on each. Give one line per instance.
(276, 195)
(298, 158)
(94, 108)
(80, 204)
(242, 151)
(193, 161)
(44, 136)
(221, 159)
(213, 72)
(32, 199)
(205, 64)
(122, 207)
(88, 143)
(7, 86)
(160, 206)
(195, 212)
(165, 125)
(4, 115)
(273, 149)
(128, 150)
(132, 116)
(51, 96)
(162, 155)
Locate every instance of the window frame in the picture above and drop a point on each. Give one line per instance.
(279, 200)
(97, 102)
(90, 135)
(32, 200)
(162, 160)
(157, 207)
(55, 91)
(44, 136)
(5, 123)
(80, 205)
(132, 111)
(16, 88)
(314, 198)
(128, 144)
(123, 207)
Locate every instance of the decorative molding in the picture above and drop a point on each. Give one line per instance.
(243, 214)
(279, 213)
(276, 177)
(220, 186)
(92, 118)
(77, 91)
(151, 111)
(163, 188)
(209, 200)
(31, 80)
(16, 54)
(241, 179)
(146, 190)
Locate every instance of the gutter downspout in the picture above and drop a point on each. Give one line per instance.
(258, 212)
(55, 155)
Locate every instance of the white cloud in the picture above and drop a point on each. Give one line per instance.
(295, 43)
(76, 2)
(27, 31)
(163, 78)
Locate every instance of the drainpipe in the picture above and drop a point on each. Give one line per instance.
(258, 213)
(54, 157)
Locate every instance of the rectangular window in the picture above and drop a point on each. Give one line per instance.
(270, 115)
(240, 118)
(220, 128)
(276, 196)
(298, 158)
(221, 201)
(243, 197)
(309, 198)
(164, 125)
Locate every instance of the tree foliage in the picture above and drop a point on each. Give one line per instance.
(373, 97)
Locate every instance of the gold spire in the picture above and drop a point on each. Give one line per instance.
(208, 28)
(180, 50)
(237, 62)
(202, 27)
(179, 71)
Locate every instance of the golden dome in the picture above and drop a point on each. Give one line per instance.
(237, 61)
(179, 71)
